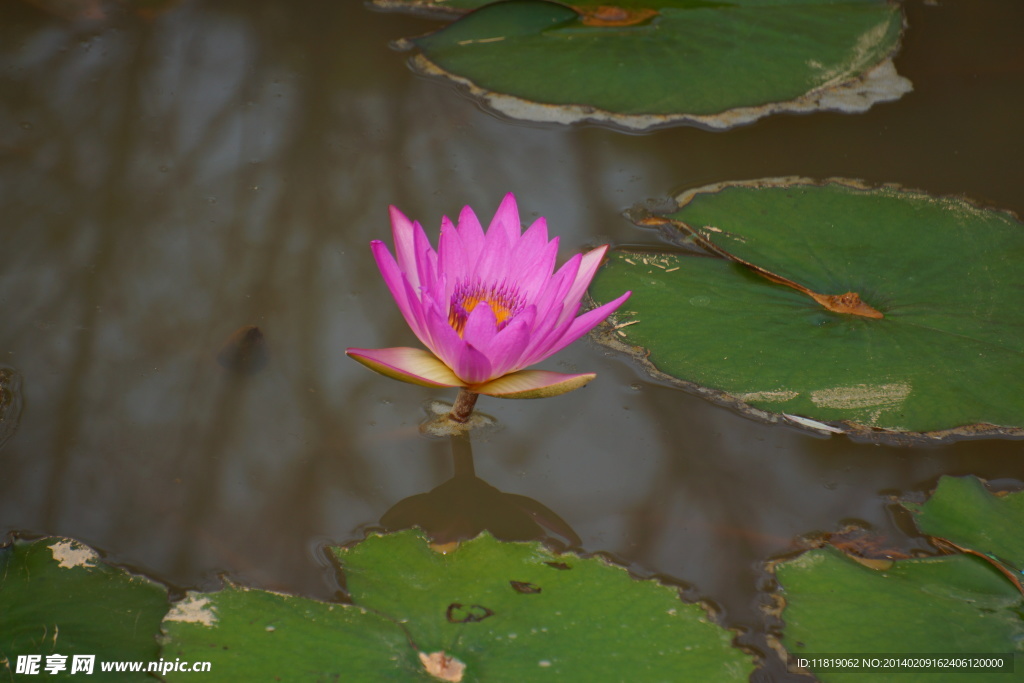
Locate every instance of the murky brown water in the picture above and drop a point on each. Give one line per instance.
(167, 180)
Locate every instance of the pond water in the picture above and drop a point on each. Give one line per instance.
(169, 176)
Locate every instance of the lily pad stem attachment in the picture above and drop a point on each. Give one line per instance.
(463, 407)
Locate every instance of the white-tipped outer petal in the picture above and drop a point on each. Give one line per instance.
(533, 384)
(414, 366)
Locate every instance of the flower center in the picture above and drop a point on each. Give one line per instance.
(502, 298)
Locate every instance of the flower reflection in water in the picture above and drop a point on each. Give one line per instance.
(465, 505)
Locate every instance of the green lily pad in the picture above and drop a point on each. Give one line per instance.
(965, 513)
(489, 610)
(247, 634)
(58, 601)
(518, 612)
(639, 65)
(956, 605)
(944, 275)
(834, 607)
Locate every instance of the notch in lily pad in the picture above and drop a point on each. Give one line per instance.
(744, 322)
(641, 65)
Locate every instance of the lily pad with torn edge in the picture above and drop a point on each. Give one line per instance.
(745, 328)
(841, 605)
(963, 516)
(57, 597)
(643, 65)
(833, 606)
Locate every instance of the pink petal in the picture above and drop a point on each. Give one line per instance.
(588, 266)
(426, 258)
(508, 345)
(542, 330)
(472, 366)
(481, 326)
(533, 384)
(415, 366)
(554, 292)
(453, 258)
(404, 233)
(400, 288)
(506, 221)
(533, 262)
(472, 234)
(537, 232)
(444, 341)
(493, 262)
(417, 317)
(502, 236)
(579, 327)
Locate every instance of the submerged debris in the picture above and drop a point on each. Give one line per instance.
(244, 352)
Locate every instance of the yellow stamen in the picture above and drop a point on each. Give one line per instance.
(502, 299)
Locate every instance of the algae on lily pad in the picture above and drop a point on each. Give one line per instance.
(770, 327)
(60, 602)
(639, 65)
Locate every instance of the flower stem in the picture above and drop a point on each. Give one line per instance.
(463, 407)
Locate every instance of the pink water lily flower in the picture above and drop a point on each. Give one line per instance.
(486, 304)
